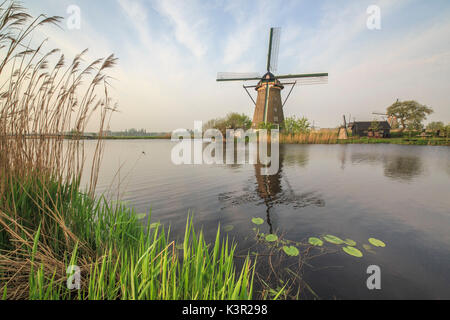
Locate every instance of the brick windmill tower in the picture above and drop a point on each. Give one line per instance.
(269, 105)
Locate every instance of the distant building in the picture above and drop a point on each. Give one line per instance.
(364, 129)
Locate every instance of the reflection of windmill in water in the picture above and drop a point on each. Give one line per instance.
(269, 186)
(268, 105)
(273, 190)
(343, 155)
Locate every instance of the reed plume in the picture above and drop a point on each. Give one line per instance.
(44, 100)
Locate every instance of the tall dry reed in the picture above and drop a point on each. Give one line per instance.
(42, 98)
(312, 137)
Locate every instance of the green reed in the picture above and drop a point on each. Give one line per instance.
(119, 256)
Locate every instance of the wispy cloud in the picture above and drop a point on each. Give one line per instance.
(190, 24)
(170, 52)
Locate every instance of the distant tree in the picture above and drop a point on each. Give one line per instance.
(447, 130)
(414, 125)
(409, 113)
(293, 125)
(210, 124)
(238, 121)
(231, 121)
(435, 126)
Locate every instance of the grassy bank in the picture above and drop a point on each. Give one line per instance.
(330, 137)
(53, 226)
(404, 141)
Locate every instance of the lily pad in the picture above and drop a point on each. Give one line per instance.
(350, 242)
(228, 227)
(333, 239)
(271, 238)
(352, 251)
(315, 241)
(141, 215)
(377, 243)
(291, 251)
(257, 221)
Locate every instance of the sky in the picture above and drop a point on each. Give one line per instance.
(170, 52)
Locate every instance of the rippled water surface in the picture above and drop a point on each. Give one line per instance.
(399, 194)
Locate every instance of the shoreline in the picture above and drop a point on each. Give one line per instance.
(363, 140)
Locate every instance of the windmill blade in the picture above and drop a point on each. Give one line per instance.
(300, 76)
(238, 76)
(274, 47)
(307, 81)
(311, 81)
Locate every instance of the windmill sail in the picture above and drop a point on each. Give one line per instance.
(274, 47)
(311, 81)
(238, 76)
(306, 79)
(305, 75)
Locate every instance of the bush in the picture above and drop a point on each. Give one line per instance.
(231, 121)
(293, 125)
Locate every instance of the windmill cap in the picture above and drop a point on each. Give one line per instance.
(268, 76)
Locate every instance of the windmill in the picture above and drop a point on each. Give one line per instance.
(342, 132)
(392, 120)
(268, 104)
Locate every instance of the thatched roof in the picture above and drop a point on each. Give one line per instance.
(365, 125)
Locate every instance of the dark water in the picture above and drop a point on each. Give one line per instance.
(399, 194)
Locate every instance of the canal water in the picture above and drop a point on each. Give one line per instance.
(398, 194)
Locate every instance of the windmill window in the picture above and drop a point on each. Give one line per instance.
(275, 109)
(275, 118)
